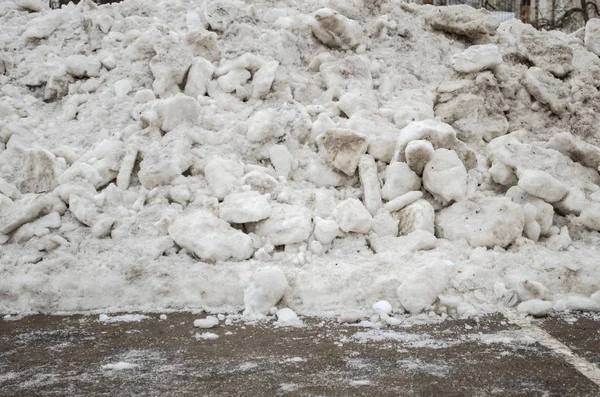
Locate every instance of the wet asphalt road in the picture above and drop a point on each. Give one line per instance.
(73, 355)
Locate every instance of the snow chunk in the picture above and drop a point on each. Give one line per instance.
(592, 35)
(402, 201)
(382, 307)
(44, 26)
(421, 288)
(265, 123)
(206, 335)
(343, 148)
(419, 215)
(399, 180)
(282, 160)
(527, 290)
(263, 79)
(535, 307)
(177, 110)
(164, 161)
(335, 30)
(287, 318)
(206, 323)
(546, 89)
(415, 241)
(83, 66)
(210, 238)
(325, 230)
(245, 207)
(223, 175)
(481, 221)
(590, 216)
(233, 80)
(464, 20)
(288, 224)
(170, 65)
(219, 14)
(27, 209)
(367, 170)
(418, 153)
(477, 58)
(266, 288)
(198, 77)
(547, 52)
(123, 87)
(381, 133)
(83, 209)
(541, 184)
(446, 176)
(352, 216)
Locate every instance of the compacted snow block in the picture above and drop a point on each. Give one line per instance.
(481, 221)
(464, 20)
(335, 30)
(352, 216)
(266, 288)
(477, 58)
(209, 238)
(399, 180)
(343, 148)
(592, 35)
(543, 185)
(421, 288)
(288, 224)
(445, 176)
(223, 175)
(245, 207)
(419, 215)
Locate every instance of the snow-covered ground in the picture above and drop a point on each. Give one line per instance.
(265, 155)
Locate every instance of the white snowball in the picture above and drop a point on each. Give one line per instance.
(382, 307)
(206, 323)
(287, 318)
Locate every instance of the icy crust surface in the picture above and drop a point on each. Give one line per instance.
(315, 156)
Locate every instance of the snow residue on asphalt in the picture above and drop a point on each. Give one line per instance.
(124, 318)
(505, 337)
(405, 339)
(121, 365)
(316, 156)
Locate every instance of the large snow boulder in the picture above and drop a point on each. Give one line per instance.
(481, 221)
(288, 224)
(245, 207)
(209, 238)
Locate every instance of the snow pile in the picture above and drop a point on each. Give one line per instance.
(227, 155)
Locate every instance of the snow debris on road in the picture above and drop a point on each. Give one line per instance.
(225, 156)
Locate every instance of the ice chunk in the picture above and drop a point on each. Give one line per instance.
(266, 288)
(421, 288)
(419, 215)
(206, 323)
(210, 238)
(477, 58)
(446, 176)
(223, 175)
(352, 216)
(287, 318)
(288, 224)
(541, 184)
(535, 307)
(245, 207)
(481, 221)
(343, 148)
(335, 30)
(198, 77)
(325, 230)
(367, 170)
